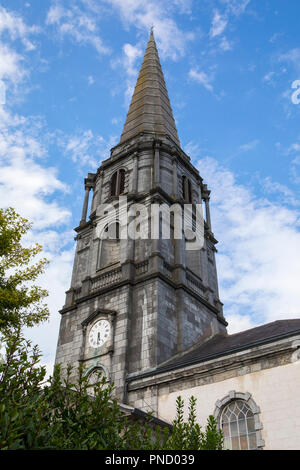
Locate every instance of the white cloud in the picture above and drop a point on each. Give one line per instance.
(79, 24)
(259, 243)
(30, 186)
(244, 148)
(236, 7)
(28, 183)
(12, 23)
(143, 14)
(292, 57)
(115, 120)
(128, 62)
(282, 192)
(293, 151)
(268, 77)
(295, 147)
(239, 322)
(274, 37)
(202, 78)
(11, 62)
(131, 54)
(225, 45)
(249, 146)
(218, 25)
(85, 148)
(21, 174)
(221, 21)
(56, 280)
(192, 149)
(185, 6)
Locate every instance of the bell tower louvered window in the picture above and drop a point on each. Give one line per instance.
(186, 190)
(117, 183)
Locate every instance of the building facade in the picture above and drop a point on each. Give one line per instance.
(146, 311)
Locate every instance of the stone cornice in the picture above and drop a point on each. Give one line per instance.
(270, 350)
(136, 144)
(145, 278)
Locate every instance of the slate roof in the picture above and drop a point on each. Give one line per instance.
(221, 345)
(150, 109)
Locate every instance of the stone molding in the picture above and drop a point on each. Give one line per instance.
(97, 313)
(98, 365)
(216, 369)
(232, 396)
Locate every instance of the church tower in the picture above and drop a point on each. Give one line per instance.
(136, 303)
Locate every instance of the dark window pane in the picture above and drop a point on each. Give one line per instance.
(183, 187)
(189, 191)
(122, 181)
(113, 184)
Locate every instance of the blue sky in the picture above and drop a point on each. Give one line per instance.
(69, 68)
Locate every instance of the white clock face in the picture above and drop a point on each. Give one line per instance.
(99, 333)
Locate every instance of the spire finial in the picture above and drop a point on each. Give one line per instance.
(152, 29)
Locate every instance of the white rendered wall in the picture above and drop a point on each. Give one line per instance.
(276, 391)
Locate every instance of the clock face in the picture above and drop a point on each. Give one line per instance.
(99, 333)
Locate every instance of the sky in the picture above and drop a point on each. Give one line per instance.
(67, 73)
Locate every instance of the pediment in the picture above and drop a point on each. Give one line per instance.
(100, 311)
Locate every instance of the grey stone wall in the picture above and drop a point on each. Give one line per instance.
(162, 296)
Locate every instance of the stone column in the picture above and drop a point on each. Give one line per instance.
(129, 242)
(156, 164)
(85, 204)
(127, 252)
(199, 193)
(174, 178)
(100, 189)
(207, 211)
(179, 255)
(134, 186)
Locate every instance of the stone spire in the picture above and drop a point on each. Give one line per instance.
(150, 109)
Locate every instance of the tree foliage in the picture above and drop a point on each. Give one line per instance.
(187, 435)
(21, 301)
(61, 413)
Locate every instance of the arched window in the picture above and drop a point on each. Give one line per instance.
(96, 376)
(238, 426)
(117, 183)
(186, 190)
(238, 417)
(112, 231)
